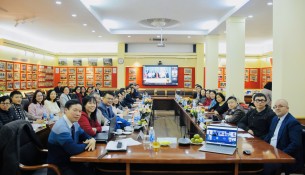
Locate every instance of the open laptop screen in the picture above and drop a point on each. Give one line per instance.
(221, 135)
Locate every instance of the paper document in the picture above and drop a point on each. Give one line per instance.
(130, 142)
(245, 135)
(105, 128)
(112, 146)
(239, 129)
(36, 126)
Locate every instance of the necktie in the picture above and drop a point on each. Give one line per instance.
(109, 114)
(68, 97)
(73, 131)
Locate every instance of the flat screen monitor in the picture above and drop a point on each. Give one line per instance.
(160, 75)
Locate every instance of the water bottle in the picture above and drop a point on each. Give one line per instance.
(194, 103)
(51, 117)
(44, 116)
(151, 134)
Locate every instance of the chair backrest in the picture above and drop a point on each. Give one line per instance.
(25, 103)
(170, 93)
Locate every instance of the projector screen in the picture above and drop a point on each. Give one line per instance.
(160, 75)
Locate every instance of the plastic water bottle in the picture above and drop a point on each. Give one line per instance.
(151, 134)
(194, 103)
(44, 116)
(51, 117)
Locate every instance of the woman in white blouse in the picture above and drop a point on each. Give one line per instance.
(51, 104)
(37, 107)
(64, 97)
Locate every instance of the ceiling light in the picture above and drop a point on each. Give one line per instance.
(58, 2)
(158, 36)
(85, 25)
(269, 3)
(74, 15)
(93, 31)
(100, 36)
(250, 16)
(128, 36)
(188, 37)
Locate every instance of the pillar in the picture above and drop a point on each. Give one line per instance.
(211, 62)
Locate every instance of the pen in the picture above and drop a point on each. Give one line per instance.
(104, 153)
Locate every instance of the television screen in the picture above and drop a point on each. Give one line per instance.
(160, 75)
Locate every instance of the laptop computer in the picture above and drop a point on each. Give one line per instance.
(220, 139)
(106, 136)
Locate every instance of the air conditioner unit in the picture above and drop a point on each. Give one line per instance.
(161, 45)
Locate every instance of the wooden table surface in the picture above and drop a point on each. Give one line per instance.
(261, 152)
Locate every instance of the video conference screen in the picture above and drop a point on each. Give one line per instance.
(160, 75)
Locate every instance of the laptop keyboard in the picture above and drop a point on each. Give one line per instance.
(219, 149)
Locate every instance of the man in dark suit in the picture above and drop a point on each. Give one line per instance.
(285, 133)
(97, 89)
(106, 105)
(59, 89)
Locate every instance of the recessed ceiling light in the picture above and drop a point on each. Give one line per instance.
(74, 15)
(269, 3)
(250, 16)
(85, 24)
(128, 36)
(58, 2)
(93, 31)
(100, 36)
(189, 37)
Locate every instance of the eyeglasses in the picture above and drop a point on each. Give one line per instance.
(260, 100)
(279, 106)
(109, 98)
(5, 103)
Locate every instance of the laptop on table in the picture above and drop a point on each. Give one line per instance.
(220, 139)
(106, 136)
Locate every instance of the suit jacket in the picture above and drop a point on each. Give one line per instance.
(63, 100)
(59, 90)
(105, 112)
(289, 140)
(100, 92)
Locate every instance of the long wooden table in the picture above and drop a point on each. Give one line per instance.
(181, 155)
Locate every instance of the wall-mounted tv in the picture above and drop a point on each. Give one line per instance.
(160, 75)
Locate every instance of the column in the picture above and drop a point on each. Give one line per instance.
(235, 64)
(121, 67)
(289, 54)
(211, 62)
(200, 64)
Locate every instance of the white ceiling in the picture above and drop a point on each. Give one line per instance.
(46, 25)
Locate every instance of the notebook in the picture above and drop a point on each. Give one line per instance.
(106, 136)
(220, 139)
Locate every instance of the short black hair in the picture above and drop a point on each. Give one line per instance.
(15, 92)
(232, 98)
(72, 102)
(259, 95)
(268, 86)
(3, 98)
(97, 84)
(108, 92)
(59, 82)
(49, 94)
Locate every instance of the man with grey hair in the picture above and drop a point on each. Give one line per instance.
(285, 133)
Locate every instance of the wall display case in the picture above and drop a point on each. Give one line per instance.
(2, 66)
(266, 76)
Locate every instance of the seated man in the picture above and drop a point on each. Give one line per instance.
(285, 133)
(6, 113)
(257, 121)
(67, 138)
(107, 111)
(18, 111)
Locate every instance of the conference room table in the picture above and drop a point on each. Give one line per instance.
(179, 159)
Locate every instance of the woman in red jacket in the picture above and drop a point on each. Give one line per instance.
(88, 121)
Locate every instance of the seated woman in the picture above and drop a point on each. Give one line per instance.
(78, 94)
(208, 99)
(117, 108)
(51, 104)
(64, 97)
(37, 107)
(88, 121)
(203, 97)
(83, 91)
(128, 98)
(235, 112)
(213, 100)
(220, 107)
(103, 121)
(89, 90)
(6, 113)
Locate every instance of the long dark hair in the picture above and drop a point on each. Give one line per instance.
(34, 97)
(85, 101)
(268, 86)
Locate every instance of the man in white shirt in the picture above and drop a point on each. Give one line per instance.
(285, 133)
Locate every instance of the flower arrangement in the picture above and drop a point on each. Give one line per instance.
(145, 111)
(194, 112)
(147, 101)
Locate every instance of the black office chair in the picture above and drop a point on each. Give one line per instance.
(21, 151)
